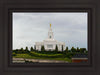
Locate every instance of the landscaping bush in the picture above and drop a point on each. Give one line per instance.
(13, 54)
(46, 55)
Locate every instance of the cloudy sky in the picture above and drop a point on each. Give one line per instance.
(29, 28)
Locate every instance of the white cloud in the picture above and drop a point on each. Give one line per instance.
(29, 28)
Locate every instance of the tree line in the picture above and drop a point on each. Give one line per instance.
(72, 50)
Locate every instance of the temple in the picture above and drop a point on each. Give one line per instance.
(50, 43)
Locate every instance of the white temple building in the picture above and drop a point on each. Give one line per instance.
(50, 43)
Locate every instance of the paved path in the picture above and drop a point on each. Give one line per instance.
(22, 60)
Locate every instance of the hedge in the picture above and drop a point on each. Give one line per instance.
(46, 55)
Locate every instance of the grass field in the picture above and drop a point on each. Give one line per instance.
(43, 56)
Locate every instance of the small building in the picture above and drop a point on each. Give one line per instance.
(80, 58)
(50, 43)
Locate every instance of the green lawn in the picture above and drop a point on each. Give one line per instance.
(28, 56)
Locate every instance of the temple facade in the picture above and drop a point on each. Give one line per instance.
(50, 43)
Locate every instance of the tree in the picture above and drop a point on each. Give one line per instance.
(69, 51)
(32, 49)
(66, 50)
(86, 51)
(73, 49)
(62, 48)
(42, 49)
(21, 49)
(82, 50)
(56, 49)
(78, 50)
(26, 48)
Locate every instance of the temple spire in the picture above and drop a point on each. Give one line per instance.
(50, 33)
(50, 25)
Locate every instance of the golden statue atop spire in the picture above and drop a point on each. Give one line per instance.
(50, 25)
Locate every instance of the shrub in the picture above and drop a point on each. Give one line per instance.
(13, 54)
(46, 55)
